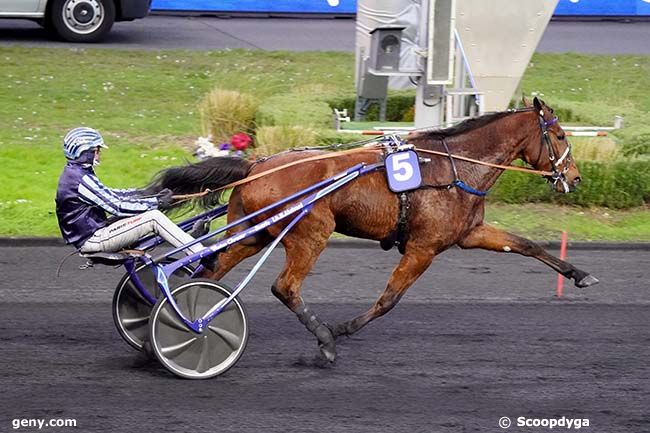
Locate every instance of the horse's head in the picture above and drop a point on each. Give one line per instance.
(552, 152)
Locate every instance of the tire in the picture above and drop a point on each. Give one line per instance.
(81, 20)
(131, 311)
(210, 353)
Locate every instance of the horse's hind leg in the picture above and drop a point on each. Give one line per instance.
(413, 263)
(234, 255)
(302, 248)
(490, 238)
(247, 247)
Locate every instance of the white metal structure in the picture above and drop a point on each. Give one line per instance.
(499, 38)
(493, 41)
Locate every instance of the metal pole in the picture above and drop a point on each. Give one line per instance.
(428, 99)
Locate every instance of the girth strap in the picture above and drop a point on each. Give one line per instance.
(400, 234)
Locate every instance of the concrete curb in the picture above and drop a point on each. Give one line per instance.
(363, 243)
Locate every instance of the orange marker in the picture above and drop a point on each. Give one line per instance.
(560, 277)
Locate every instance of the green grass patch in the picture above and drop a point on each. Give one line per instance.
(546, 222)
(295, 109)
(146, 105)
(592, 90)
(618, 184)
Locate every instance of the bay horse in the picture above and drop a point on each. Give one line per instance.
(437, 218)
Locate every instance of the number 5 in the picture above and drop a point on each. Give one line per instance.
(402, 168)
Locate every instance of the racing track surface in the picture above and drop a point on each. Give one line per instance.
(479, 337)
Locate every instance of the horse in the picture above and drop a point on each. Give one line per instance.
(440, 214)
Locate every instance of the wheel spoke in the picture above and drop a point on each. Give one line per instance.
(135, 322)
(170, 319)
(228, 311)
(133, 294)
(192, 301)
(232, 340)
(204, 356)
(177, 349)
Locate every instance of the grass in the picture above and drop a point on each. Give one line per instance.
(146, 105)
(593, 89)
(274, 139)
(543, 221)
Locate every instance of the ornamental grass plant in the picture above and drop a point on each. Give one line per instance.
(602, 149)
(227, 112)
(274, 139)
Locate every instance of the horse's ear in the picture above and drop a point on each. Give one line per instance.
(537, 104)
(525, 101)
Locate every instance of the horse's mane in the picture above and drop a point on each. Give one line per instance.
(464, 126)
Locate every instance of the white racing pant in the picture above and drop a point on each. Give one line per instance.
(128, 231)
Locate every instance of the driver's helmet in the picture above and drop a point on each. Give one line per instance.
(79, 140)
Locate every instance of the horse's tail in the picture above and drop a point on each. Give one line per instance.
(212, 173)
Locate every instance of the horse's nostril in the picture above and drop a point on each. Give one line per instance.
(577, 180)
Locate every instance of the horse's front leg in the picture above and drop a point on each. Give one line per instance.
(490, 238)
(413, 263)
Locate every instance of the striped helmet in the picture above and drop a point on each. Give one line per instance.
(79, 140)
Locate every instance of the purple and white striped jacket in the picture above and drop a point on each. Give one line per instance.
(82, 202)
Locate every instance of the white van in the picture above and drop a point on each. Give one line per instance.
(76, 20)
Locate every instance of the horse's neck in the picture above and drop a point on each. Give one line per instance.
(499, 142)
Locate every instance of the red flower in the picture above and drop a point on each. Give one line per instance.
(240, 141)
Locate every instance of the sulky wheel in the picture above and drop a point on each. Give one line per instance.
(131, 311)
(213, 351)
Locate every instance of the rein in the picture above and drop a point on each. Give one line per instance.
(273, 170)
(557, 175)
(374, 148)
(487, 164)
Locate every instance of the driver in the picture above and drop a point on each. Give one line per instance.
(82, 202)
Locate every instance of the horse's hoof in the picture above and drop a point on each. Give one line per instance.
(328, 351)
(326, 342)
(587, 281)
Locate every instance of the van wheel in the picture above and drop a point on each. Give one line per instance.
(81, 20)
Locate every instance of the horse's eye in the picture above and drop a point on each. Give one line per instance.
(561, 137)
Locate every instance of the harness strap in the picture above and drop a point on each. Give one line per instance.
(462, 185)
(451, 159)
(487, 164)
(402, 222)
(566, 153)
(399, 235)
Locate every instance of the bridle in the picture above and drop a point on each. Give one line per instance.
(558, 171)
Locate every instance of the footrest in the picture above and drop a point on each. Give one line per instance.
(110, 259)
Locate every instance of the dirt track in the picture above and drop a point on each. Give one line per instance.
(445, 360)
